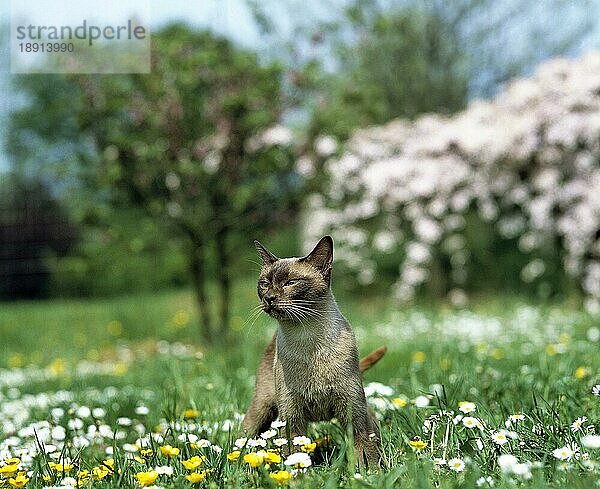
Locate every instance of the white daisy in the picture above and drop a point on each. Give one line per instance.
(456, 464)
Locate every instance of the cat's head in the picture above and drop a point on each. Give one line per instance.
(295, 289)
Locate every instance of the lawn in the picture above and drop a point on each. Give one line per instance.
(121, 393)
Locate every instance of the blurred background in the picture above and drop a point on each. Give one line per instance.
(452, 149)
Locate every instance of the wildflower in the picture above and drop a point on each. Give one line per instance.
(466, 407)
(256, 442)
(419, 357)
(309, 447)
(358, 476)
(485, 480)
(279, 442)
(196, 477)
(233, 456)
(578, 423)
(421, 401)
(60, 467)
(301, 440)
(439, 461)
(417, 444)
(164, 470)
(506, 462)
(499, 437)
(278, 424)
(19, 481)
(269, 434)
(148, 452)
(191, 414)
(398, 402)
(254, 459)
(99, 473)
(272, 457)
(9, 469)
(298, 460)
(563, 453)
(591, 441)
(281, 476)
(193, 463)
(456, 464)
(146, 478)
(470, 422)
(240, 442)
(581, 372)
(169, 451)
(201, 443)
(596, 390)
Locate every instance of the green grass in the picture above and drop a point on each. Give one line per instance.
(507, 357)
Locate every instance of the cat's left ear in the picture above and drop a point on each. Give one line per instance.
(267, 257)
(321, 257)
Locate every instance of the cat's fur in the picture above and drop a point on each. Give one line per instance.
(310, 371)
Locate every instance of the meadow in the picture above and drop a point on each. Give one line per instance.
(121, 393)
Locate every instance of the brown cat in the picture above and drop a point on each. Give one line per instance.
(310, 371)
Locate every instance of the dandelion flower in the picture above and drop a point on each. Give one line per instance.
(272, 457)
(169, 451)
(417, 444)
(233, 456)
(456, 464)
(254, 459)
(399, 403)
(192, 463)
(18, 481)
(146, 478)
(581, 372)
(191, 414)
(281, 476)
(309, 447)
(196, 477)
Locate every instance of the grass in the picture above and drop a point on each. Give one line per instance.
(82, 382)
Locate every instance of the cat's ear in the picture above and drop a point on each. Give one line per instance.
(321, 257)
(267, 257)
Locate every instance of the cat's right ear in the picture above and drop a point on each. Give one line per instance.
(267, 257)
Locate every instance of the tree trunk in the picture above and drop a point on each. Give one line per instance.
(199, 279)
(224, 279)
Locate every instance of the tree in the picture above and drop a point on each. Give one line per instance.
(195, 144)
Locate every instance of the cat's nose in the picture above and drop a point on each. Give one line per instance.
(270, 298)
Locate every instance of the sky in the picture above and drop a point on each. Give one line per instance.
(228, 17)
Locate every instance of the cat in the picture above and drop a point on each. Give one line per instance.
(310, 371)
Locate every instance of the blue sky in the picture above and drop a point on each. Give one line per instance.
(228, 17)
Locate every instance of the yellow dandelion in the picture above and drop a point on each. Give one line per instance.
(9, 469)
(419, 357)
(18, 481)
(196, 477)
(146, 478)
(417, 444)
(99, 473)
(309, 447)
(233, 456)
(254, 459)
(273, 457)
(169, 451)
(398, 402)
(148, 452)
(192, 463)
(191, 413)
(581, 372)
(281, 476)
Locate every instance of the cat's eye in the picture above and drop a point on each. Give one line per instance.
(291, 281)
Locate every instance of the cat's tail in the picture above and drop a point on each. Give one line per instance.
(372, 358)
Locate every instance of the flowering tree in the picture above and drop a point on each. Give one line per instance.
(526, 163)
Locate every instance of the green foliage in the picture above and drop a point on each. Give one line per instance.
(184, 144)
(403, 62)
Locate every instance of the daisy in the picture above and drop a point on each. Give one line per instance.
(563, 453)
(499, 437)
(456, 464)
(466, 407)
(471, 422)
(578, 423)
